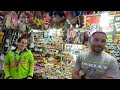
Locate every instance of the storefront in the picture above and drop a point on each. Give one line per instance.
(56, 41)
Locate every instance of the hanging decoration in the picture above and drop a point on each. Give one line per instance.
(7, 21)
(2, 20)
(47, 20)
(76, 13)
(28, 15)
(22, 21)
(38, 18)
(14, 20)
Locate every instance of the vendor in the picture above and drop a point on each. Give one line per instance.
(19, 63)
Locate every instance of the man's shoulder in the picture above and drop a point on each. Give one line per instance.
(108, 56)
(84, 53)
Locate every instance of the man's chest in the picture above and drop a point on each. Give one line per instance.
(94, 67)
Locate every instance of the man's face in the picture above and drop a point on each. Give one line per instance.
(98, 42)
(22, 44)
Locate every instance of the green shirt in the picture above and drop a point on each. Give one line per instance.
(24, 68)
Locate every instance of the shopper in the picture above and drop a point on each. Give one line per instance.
(96, 64)
(19, 63)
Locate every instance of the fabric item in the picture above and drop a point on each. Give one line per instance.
(25, 66)
(98, 66)
(22, 26)
(14, 20)
(26, 18)
(8, 22)
(22, 18)
(47, 19)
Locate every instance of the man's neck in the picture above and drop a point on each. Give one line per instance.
(94, 53)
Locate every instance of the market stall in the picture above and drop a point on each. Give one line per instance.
(56, 38)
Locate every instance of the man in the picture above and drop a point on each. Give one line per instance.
(19, 63)
(96, 64)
